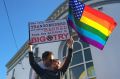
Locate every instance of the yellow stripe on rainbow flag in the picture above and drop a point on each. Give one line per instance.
(95, 25)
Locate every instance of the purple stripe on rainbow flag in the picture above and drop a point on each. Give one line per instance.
(90, 41)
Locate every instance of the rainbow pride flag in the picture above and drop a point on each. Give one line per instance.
(92, 26)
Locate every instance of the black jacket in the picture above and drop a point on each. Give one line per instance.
(50, 74)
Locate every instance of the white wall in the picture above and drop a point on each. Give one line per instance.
(9, 75)
(106, 62)
(22, 69)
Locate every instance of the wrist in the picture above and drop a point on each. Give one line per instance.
(70, 46)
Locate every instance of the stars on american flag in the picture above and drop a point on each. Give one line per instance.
(77, 8)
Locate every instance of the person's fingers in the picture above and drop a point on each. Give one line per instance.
(71, 39)
(30, 46)
(70, 42)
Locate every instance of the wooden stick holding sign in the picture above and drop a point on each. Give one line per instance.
(48, 31)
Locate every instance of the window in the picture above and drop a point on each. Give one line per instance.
(76, 46)
(13, 77)
(36, 52)
(87, 55)
(77, 58)
(90, 69)
(64, 50)
(81, 66)
(77, 75)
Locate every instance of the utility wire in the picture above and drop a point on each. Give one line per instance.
(10, 24)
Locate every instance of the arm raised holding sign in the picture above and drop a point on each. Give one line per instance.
(69, 56)
(51, 72)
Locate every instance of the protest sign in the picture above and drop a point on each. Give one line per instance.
(48, 31)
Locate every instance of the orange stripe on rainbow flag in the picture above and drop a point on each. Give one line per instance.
(101, 21)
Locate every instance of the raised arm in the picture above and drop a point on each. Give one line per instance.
(69, 56)
(33, 64)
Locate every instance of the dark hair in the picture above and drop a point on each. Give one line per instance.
(55, 60)
(46, 55)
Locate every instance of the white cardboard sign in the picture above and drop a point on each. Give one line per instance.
(48, 31)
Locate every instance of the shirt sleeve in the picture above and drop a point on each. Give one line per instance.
(67, 61)
(35, 65)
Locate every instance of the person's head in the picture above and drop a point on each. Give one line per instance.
(55, 64)
(47, 56)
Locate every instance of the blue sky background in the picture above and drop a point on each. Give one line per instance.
(20, 12)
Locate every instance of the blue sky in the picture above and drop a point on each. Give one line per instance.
(20, 12)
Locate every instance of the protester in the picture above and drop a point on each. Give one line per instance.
(52, 74)
(56, 64)
(44, 63)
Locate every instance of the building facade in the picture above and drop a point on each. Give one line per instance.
(87, 62)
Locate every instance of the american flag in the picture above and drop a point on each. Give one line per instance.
(77, 8)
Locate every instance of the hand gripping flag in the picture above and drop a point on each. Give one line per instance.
(92, 26)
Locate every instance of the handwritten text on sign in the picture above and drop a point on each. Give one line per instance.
(48, 31)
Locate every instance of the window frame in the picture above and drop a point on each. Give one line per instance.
(61, 57)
